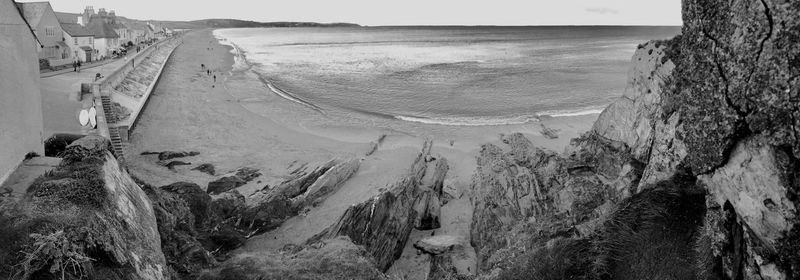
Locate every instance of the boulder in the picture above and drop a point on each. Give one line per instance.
(206, 168)
(439, 244)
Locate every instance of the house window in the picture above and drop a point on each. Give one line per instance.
(76, 41)
(50, 31)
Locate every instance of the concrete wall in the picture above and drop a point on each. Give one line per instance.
(21, 122)
(104, 86)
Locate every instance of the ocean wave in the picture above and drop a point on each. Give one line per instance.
(495, 121)
(572, 113)
(470, 121)
(288, 95)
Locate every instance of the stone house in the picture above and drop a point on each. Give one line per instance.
(42, 19)
(105, 38)
(80, 40)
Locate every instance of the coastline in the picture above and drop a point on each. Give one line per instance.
(240, 122)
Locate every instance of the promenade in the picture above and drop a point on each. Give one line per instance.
(61, 98)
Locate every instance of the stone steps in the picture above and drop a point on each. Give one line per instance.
(117, 144)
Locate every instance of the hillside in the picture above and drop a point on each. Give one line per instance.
(235, 23)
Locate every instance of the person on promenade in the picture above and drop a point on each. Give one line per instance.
(74, 66)
(79, 66)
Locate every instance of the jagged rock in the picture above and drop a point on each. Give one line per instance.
(171, 165)
(329, 181)
(549, 133)
(197, 200)
(232, 180)
(336, 259)
(225, 184)
(439, 244)
(383, 224)
(631, 118)
(227, 238)
(176, 226)
(307, 187)
(428, 205)
(667, 154)
(167, 155)
(756, 184)
(206, 168)
(527, 183)
(102, 219)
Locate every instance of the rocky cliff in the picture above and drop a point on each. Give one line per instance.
(709, 121)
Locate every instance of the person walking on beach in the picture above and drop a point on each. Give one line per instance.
(215, 78)
(202, 66)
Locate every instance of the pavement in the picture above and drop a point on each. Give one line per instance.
(62, 100)
(30, 169)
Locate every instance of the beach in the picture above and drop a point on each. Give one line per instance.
(238, 122)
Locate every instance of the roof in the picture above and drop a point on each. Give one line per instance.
(118, 25)
(76, 30)
(67, 17)
(85, 48)
(8, 10)
(62, 44)
(33, 11)
(100, 29)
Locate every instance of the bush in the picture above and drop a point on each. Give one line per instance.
(55, 253)
(563, 258)
(80, 183)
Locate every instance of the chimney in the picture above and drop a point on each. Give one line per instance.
(88, 12)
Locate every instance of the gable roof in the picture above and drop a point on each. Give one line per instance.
(34, 11)
(76, 30)
(67, 17)
(8, 16)
(101, 29)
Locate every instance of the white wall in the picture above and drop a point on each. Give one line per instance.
(20, 96)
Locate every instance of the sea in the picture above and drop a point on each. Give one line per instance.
(444, 76)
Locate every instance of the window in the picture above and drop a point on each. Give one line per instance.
(76, 40)
(50, 31)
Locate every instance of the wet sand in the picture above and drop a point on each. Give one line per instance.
(228, 123)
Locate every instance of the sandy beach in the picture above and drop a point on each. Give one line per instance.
(238, 122)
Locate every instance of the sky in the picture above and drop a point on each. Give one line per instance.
(399, 12)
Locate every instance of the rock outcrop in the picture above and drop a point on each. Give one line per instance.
(566, 194)
(718, 103)
(93, 211)
(232, 180)
(383, 224)
(306, 188)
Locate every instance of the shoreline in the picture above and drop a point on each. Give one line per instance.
(236, 122)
